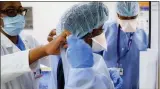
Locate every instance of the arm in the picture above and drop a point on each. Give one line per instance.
(16, 64)
(141, 39)
(52, 48)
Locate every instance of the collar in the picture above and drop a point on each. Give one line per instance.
(6, 41)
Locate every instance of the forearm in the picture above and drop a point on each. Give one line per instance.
(37, 53)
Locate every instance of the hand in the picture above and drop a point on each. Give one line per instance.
(117, 80)
(79, 53)
(53, 47)
(51, 35)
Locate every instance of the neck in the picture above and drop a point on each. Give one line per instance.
(14, 39)
(88, 41)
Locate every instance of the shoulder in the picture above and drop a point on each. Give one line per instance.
(29, 39)
(140, 32)
(109, 25)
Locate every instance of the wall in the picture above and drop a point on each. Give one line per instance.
(112, 10)
(156, 32)
(158, 83)
(154, 25)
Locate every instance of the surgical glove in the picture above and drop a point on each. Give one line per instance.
(79, 53)
(116, 78)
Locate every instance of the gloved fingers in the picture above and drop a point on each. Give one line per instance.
(114, 75)
(115, 79)
(119, 85)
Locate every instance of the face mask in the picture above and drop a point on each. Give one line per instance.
(99, 43)
(96, 47)
(13, 25)
(128, 25)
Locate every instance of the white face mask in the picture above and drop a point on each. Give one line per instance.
(99, 43)
(128, 25)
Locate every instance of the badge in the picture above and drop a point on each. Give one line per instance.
(120, 69)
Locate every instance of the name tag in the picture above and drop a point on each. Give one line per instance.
(120, 70)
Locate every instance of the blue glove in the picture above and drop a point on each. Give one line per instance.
(79, 53)
(116, 78)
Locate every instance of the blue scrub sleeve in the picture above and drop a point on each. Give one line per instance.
(141, 39)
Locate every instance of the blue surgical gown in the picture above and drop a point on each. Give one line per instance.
(130, 62)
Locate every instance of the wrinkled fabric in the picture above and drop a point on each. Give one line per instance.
(130, 62)
(127, 8)
(116, 78)
(77, 50)
(20, 44)
(82, 18)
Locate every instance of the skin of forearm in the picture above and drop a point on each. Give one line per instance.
(37, 53)
(51, 48)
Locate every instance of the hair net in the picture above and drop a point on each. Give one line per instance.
(127, 8)
(82, 18)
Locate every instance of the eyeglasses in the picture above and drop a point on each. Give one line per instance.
(12, 12)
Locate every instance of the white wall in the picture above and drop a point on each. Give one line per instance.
(154, 25)
(112, 10)
(158, 83)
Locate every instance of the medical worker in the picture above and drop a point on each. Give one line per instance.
(21, 55)
(124, 43)
(83, 22)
